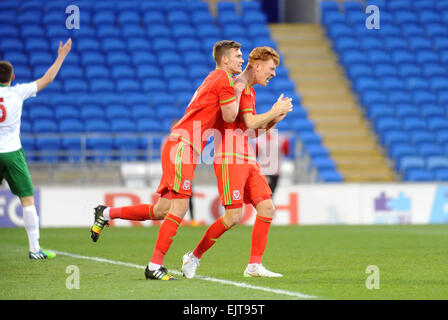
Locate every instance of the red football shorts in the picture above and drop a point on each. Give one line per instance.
(179, 161)
(240, 183)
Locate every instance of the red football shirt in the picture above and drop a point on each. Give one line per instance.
(235, 137)
(204, 110)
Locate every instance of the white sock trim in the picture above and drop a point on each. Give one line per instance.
(153, 266)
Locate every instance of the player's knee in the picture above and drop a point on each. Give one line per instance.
(267, 209)
(27, 201)
(233, 218)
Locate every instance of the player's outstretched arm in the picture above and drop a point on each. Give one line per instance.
(51, 73)
(259, 121)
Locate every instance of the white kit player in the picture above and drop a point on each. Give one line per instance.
(13, 166)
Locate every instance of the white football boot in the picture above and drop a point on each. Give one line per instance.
(255, 270)
(189, 265)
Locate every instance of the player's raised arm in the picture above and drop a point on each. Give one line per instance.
(257, 121)
(51, 73)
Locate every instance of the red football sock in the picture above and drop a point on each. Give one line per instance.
(259, 240)
(167, 232)
(212, 234)
(139, 212)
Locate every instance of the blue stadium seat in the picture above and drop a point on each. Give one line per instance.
(409, 70)
(385, 70)
(412, 30)
(44, 126)
(323, 163)
(117, 111)
(128, 148)
(122, 125)
(149, 71)
(439, 84)
(174, 71)
(141, 111)
(419, 175)
(71, 126)
(366, 84)
(178, 17)
(128, 16)
(140, 57)
(91, 111)
(331, 176)
(327, 6)
(168, 111)
(379, 110)
(421, 97)
(10, 44)
(154, 85)
(36, 44)
(406, 110)
(9, 30)
(433, 70)
(430, 149)
(66, 112)
(128, 86)
(153, 18)
(403, 57)
(40, 112)
(121, 72)
(113, 44)
(191, 57)
(96, 125)
(100, 149)
(49, 149)
(429, 111)
(410, 163)
(422, 137)
(135, 42)
(91, 58)
(387, 124)
(392, 137)
(437, 162)
(118, 57)
(395, 43)
(437, 124)
(105, 32)
(208, 30)
(148, 125)
(200, 17)
(169, 57)
(175, 85)
(101, 85)
(75, 86)
(414, 123)
(164, 98)
(188, 44)
(104, 17)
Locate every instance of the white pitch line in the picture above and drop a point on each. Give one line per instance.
(227, 282)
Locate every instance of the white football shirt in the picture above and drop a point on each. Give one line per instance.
(11, 103)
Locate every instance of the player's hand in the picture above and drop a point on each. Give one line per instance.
(239, 84)
(283, 105)
(63, 50)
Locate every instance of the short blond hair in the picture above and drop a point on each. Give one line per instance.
(264, 54)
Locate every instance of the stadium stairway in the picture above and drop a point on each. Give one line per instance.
(330, 102)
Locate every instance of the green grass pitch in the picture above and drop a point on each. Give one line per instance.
(325, 262)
